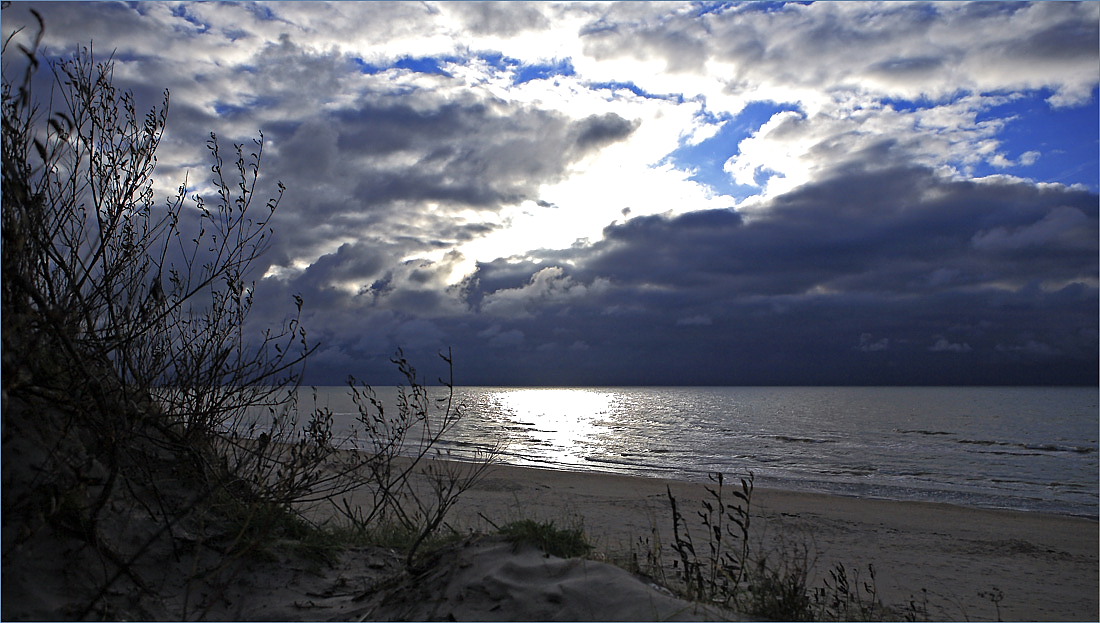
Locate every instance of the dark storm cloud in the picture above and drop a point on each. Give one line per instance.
(881, 276)
(897, 231)
(680, 43)
(893, 276)
(467, 154)
(1063, 39)
(352, 262)
(418, 142)
(907, 67)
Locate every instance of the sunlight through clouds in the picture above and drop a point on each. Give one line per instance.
(645, 163)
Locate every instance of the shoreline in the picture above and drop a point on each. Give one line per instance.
(1044, 564)
(702, 479)
(781, 490)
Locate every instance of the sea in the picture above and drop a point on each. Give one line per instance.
(1019, 448)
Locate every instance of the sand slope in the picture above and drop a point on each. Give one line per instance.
(489, 579)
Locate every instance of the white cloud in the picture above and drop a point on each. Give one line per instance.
(1030, 347)
(942, 345)
(456, 174)
(795, 148)
(868, 343)
(1029, 158)
(549, 286)
(208, 53)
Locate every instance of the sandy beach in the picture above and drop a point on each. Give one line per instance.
(1044, 565)
(948, 559)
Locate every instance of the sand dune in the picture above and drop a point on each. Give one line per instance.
(1045, 565)
(489, 579)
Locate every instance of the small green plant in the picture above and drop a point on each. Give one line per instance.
(561, 542)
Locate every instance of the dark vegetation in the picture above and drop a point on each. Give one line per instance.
(548, 537)
(146, 436)
(729, 566)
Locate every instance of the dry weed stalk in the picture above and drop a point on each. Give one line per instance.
(773, 583)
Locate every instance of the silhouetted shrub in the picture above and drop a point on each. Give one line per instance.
(129, 382)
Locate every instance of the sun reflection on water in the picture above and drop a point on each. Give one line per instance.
(555, 424)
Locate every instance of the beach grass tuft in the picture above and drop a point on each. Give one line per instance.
(561, 542)
(727, 567)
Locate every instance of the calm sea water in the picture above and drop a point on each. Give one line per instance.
(1017, 448)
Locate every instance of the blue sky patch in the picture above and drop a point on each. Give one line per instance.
(768, 7)
(1066, 139)
(367, 68)
(709, 156)
(181, 12)
(228, 110)
(423, 65)
(903, 105)
(615, 85)
(706, 8)
(416, 64)
(527, 73)
(499, 61)
(262, 11)
(250, 105)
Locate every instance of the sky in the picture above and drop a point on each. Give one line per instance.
(683, 193)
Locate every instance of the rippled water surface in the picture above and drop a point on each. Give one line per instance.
(1019, 448)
